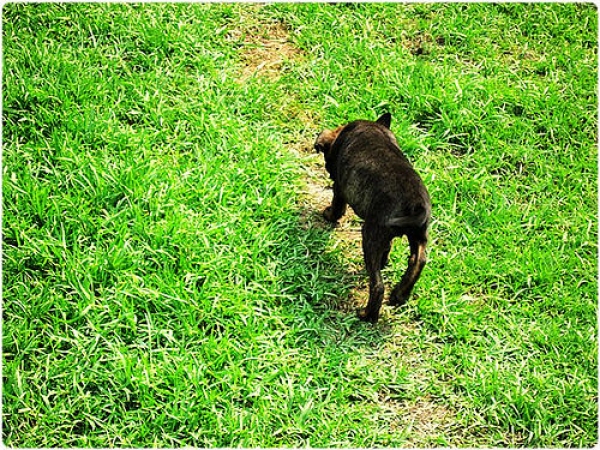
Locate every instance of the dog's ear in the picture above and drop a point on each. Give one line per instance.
(385, 120)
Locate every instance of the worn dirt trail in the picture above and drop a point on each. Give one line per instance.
(421, 418)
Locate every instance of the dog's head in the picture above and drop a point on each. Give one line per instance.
(325, 141)
(326, 138)
(324, 144)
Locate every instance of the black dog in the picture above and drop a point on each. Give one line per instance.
(372, 175)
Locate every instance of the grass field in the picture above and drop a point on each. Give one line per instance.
(168, 280)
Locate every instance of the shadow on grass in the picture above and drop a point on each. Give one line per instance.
(333, 290)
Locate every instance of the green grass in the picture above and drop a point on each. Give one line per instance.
(162, 288)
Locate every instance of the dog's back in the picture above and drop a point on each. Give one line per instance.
(377, 179)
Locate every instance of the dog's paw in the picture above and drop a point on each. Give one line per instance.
(398, 298)
(328, 215)
(365, 317)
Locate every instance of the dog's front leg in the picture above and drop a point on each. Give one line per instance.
(376, 244)
(337, 209)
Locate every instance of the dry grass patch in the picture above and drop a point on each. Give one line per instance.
(423, 420)
(266, 49)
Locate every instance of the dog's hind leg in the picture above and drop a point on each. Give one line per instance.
(376, 244)
(386, 255)
(416, 262)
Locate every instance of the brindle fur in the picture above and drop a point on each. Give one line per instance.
(371, 174)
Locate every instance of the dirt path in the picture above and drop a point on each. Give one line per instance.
(422, 419)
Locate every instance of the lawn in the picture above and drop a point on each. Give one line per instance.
(168, 280)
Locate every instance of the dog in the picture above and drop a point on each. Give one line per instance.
(371, 174)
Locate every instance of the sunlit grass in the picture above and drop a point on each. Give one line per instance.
(162, 287)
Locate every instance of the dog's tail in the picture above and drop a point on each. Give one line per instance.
(418, 218)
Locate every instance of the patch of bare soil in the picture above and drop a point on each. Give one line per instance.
(421, 43)
(422, 420)
(266, 49)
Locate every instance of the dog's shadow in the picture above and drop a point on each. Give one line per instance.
(337, 287)
(333, 288)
